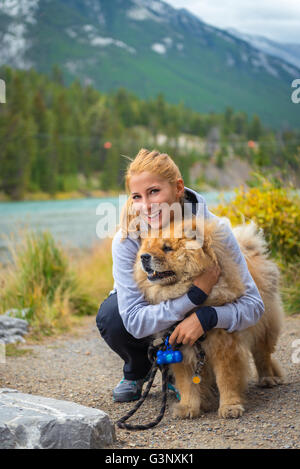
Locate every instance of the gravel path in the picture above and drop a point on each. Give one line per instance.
(80, 367)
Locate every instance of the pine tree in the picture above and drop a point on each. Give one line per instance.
(255, 128)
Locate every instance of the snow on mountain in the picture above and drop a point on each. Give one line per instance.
(14, 42)
(149, 47)
(288, 52)
(148, 10)
(20, 8)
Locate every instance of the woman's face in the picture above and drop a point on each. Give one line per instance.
(151, 195)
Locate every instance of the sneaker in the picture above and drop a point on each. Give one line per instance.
(128, 390)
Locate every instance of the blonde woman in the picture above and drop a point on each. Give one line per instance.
(125, 320)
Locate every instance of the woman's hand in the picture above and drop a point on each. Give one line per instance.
(208, 279)
(188, 331)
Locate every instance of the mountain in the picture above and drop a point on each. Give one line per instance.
(288, 52)
(148, 47)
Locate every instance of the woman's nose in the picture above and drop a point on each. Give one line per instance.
(151, 207)
(146, 207)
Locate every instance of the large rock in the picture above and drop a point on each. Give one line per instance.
(12, 329)
(35, 422)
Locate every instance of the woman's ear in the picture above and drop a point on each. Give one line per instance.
(179, 188)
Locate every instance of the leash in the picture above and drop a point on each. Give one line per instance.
(121, 423)
(152, 351)
(164, 367)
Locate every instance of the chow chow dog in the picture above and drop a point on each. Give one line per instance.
(165, 268)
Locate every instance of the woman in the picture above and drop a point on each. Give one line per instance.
(125, 320)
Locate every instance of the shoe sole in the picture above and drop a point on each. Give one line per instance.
(123, 399)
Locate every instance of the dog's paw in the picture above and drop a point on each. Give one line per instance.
(269, 381)
(231, 411)
(186, 411)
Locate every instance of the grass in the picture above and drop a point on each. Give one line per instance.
(14, 350)
(55, 290)
(290, 287)
(67, 195)
(94, 271)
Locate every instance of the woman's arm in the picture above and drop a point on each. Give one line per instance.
(246, 310)
(139, 317)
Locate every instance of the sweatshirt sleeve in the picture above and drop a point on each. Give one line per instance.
(248, 308)
(140, 318)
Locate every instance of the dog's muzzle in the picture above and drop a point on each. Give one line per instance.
(154, 274)
(146, 260)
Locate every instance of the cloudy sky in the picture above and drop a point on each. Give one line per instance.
(275, 19)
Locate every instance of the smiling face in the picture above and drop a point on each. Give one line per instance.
(151, 195)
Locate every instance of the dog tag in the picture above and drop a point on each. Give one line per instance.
(196, 379)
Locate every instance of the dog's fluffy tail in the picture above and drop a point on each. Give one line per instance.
(251, 240)
(254, 247)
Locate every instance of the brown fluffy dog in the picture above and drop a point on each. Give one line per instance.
(175, 263)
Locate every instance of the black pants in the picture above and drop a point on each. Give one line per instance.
(133, 351)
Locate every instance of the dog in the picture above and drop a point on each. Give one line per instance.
(165, 268)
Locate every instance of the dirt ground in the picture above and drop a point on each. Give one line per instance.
(80, 367)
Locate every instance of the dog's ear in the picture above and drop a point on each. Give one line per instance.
(207, 243)
(194, 232)
(207, 249)
(193, 244)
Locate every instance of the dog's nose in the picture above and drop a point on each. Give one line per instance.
(145, 257)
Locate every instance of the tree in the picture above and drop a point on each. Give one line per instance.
(57, 75)
(255, 128)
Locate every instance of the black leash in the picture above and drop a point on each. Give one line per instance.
(164, 370)
(121, 423)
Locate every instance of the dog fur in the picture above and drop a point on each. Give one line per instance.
(227, 354)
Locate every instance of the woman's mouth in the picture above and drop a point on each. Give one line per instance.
(153, 216)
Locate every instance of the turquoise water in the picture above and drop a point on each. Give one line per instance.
(72, 222)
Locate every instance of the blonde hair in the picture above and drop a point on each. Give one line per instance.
(160, 164)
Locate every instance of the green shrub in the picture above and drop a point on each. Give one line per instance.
(275, 209)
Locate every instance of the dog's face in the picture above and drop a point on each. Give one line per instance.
(168, 260)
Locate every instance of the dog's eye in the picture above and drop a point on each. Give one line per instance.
(166, 248)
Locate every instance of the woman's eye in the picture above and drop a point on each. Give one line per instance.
(135, 196)
(167, 248)
(154, 190)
